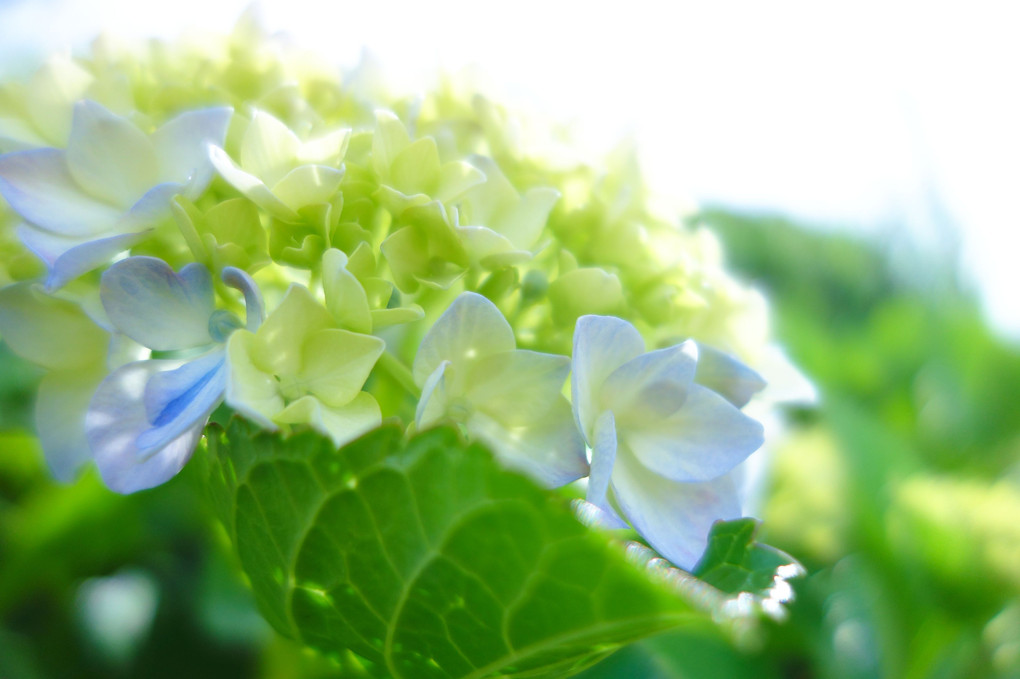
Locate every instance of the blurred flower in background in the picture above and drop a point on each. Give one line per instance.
(893, 126)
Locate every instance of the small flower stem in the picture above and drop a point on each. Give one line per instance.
(399, 372)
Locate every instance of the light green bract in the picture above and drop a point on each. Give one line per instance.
(385, 299)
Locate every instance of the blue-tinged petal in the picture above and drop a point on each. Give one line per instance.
(706, 438)
(153, 207)
(176, 399)
(69, 258)
(470, 329)
(109, 157)
(38, 187)
(254, 307)
(651, 386)
(60, 406)
(182, 145)
(727, 376)
(432, 404)
(116, 418)
(673, 517)
(549, 450)
(156, 307)
(601, 345)
(603, 459)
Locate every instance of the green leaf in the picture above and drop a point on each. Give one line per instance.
(734, 562)
(427, 559)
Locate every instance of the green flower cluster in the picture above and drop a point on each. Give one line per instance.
(159, 195)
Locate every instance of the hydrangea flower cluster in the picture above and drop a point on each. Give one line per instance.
(190, 226)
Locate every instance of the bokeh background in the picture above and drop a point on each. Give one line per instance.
(860, 164)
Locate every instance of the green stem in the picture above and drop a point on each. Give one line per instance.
(399, 372)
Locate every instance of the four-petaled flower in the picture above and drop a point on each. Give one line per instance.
(298, 368)
(471, 372)
(662, 444)
(146, 417)
(109, 188)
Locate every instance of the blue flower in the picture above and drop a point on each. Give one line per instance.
(146, 417)
(109, 188)
(663, 439)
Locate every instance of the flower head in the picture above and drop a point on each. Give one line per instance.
(662, 444)
(471, 372)
(146, 417)
(109, 188)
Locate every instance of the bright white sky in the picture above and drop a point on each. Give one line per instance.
(875, 116)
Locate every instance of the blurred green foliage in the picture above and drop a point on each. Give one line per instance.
(900, 493)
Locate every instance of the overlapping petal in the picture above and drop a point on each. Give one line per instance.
(109, 157)
(706, 438)
(601, 345)
(39, 187)
(675, 518)
(663, 445)
(469, 330)
(117, 419)
(470, 371)
(726, 376)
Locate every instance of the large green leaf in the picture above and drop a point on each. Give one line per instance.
(426, 559)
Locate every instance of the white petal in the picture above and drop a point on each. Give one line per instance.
(603, 459)
(60, 406)
(253, 188)
(675, 518)
(176, 399)
(269, 149)
(727, 376)
(470, 329)
(154, 306)
(116, 418)
(705, 439)
(109, 157)
(549, 450)
(521, 386)
(38, 187)
(601, 345)
(182, 145)
(651, 386)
